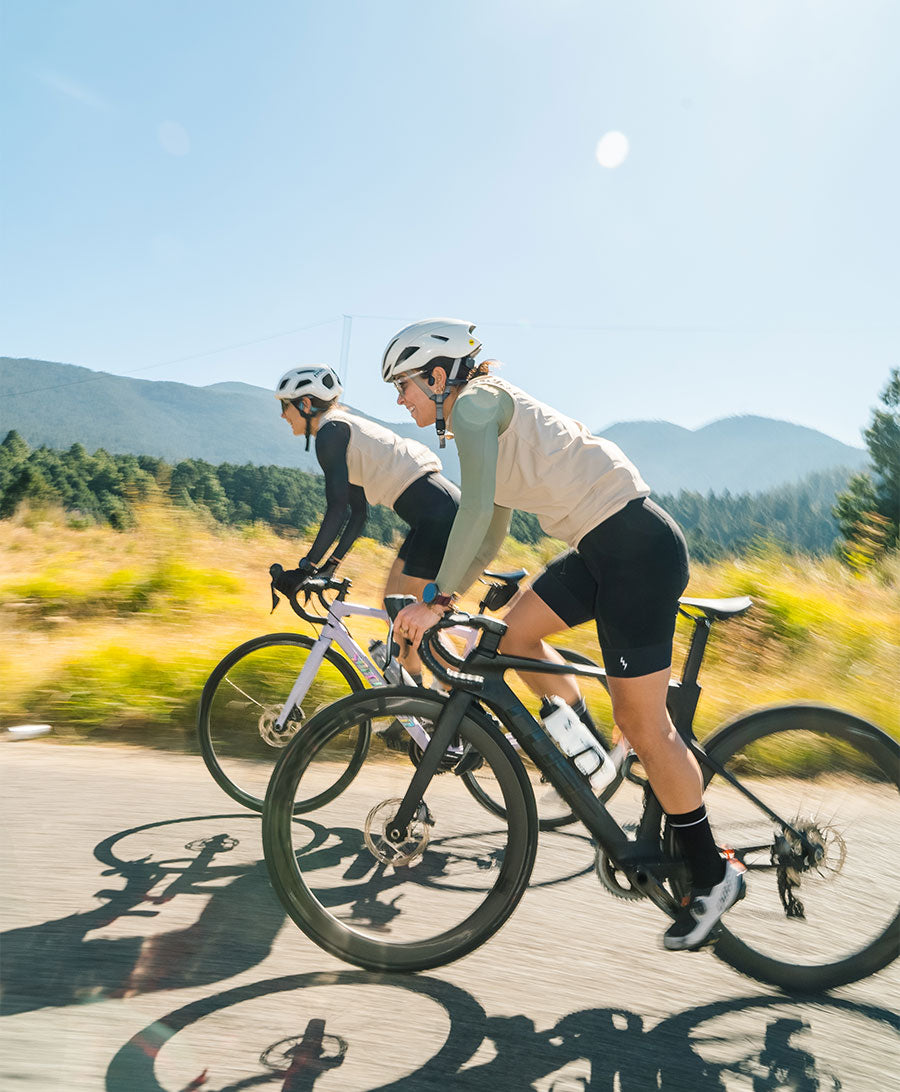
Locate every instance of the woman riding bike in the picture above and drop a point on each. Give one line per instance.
(626, 569)
(364, 463)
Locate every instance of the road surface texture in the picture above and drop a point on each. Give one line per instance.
(144, 951)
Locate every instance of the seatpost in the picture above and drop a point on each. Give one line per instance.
(684, 695)
(697, 647)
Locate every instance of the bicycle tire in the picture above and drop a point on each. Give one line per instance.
(504, 883)
(853, 768)
(217, 758)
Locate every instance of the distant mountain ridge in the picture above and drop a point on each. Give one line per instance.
(56, 405)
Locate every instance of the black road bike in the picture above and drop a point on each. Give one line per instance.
(403, 872)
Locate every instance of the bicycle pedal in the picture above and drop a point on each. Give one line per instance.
(394, 737)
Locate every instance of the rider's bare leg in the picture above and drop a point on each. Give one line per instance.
(530, 620)
(400, 583)
(639, 709)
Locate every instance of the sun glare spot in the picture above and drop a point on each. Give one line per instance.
(612, 149)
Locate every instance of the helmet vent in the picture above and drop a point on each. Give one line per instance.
(327, 381)
(440, 337)
(407, 353)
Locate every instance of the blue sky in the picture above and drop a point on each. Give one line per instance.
(199, 190)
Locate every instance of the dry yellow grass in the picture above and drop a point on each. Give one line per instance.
(111, 635)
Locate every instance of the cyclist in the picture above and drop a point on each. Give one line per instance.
(364, 462)
(626, 568)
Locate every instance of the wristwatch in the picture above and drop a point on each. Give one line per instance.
(431, 596)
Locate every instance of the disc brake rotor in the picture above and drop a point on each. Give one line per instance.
(268, 732)
(401, 852)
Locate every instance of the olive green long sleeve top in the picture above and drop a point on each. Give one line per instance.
(478, 419)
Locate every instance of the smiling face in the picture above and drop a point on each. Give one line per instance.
(295, 418)
(411, 393)
(414, 393)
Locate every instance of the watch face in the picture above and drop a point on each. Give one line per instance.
(429, 593)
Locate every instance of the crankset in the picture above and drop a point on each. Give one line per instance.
(614, 879)
(270, 734)
(401, 851)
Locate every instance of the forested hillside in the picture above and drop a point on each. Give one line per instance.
(103, 488)
(238, 423)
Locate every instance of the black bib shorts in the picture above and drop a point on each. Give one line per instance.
(627, 573)
(429, 507)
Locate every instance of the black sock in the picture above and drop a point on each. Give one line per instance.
(696, 842)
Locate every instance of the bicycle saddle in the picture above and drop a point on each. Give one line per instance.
(720, 608)
(511, 577)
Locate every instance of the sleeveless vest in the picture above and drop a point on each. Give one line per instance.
(555, 468)
(380, 461)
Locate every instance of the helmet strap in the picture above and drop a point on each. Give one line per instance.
(308, 418)
(456, 377)
(440, 424)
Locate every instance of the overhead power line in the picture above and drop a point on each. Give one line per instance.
(176, 360)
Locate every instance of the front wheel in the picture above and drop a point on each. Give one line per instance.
(397, 903)
(242, 699)
(823, 883)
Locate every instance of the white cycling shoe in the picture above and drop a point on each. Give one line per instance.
(697, 920)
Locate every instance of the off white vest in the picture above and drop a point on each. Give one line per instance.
(380, 461)
(552, 466)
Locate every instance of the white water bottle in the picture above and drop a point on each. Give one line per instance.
(577, 742)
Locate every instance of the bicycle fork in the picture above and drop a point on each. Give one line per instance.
(304, 680)
(445, 729)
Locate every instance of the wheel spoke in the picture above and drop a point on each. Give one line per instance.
(406, 901)
(239, 738)
(823, 891)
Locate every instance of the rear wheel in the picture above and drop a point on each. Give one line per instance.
(244, 695)
(821, 907)
(418, 901)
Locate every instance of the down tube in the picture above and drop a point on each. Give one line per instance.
(545, 755)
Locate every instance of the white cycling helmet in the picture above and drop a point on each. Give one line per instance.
(316, 380)
(416, 346)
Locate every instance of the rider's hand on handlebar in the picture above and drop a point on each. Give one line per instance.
(414, 620)
(290, 581)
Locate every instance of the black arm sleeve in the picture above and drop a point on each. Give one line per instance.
(359, 513)
(331, 451)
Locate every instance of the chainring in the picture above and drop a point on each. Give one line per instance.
(609, 875)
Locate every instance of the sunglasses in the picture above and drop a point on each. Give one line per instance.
(285, 402)
(401, 383)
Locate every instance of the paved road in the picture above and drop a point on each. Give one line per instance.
(143, 950)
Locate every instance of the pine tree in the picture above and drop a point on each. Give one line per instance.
(869, 511)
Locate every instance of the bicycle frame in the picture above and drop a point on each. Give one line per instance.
(640, 858)
(335, 632)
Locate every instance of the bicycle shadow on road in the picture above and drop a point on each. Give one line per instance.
(59, 963)
(762, 1044)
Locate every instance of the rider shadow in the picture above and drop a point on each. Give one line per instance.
(763, 1044)
(59, 963)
